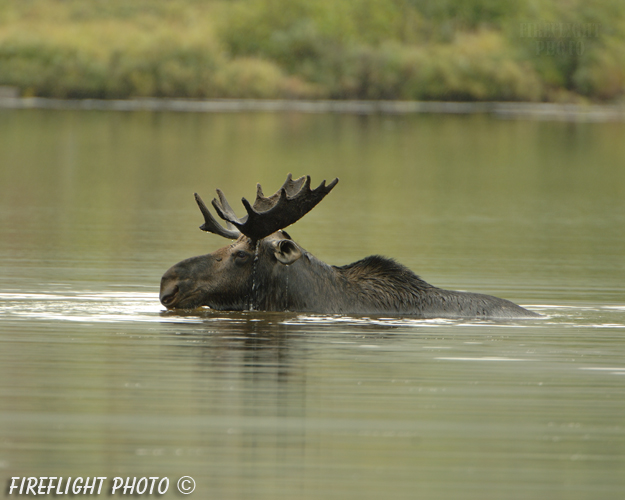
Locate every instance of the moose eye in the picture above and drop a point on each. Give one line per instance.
(241, 256)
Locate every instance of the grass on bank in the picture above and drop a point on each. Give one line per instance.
(361, 49)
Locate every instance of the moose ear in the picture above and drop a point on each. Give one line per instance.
(286, 251)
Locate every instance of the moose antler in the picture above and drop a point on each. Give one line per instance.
(212, 226)
(268, 214)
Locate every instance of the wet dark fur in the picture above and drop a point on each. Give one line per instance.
(384, 285)
(374, 285)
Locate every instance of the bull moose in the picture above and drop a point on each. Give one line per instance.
(265, 270)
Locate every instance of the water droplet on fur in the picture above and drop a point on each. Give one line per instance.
(252, 304)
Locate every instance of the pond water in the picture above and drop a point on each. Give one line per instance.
(96, 379)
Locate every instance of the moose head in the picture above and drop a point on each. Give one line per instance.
(237, 277)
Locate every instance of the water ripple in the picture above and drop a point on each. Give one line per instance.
(138, 306)
(89, 306)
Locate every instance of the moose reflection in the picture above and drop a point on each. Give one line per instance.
(264, 269)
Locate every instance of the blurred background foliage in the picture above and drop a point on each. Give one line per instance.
(357, 49)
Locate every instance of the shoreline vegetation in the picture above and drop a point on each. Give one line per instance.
(538, 111)
(480, 51)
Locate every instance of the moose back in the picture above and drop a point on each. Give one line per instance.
(265, 270)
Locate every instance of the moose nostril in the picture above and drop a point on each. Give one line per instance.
(168, 296)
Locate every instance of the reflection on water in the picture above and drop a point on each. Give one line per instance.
(96, 378)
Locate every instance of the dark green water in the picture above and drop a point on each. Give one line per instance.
(97, 380)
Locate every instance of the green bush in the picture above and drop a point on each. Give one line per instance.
(56, 70)
(601, 73)
(259, 79)
(476, 67)
(357, 49)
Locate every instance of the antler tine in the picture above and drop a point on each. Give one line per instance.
(292, 187)
(289, 204)
(223, 208)
(212, 226)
